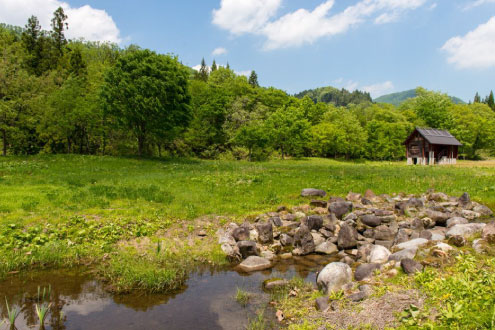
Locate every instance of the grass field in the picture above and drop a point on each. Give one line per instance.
(60, 210)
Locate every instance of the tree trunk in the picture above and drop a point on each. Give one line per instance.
(159, 150)
(68, 145)
(250, 152)
(282, 151)
(4, 138)
(141, 144)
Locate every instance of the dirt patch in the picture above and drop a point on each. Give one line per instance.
(375, 312)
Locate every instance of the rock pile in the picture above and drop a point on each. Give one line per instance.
(368, 232)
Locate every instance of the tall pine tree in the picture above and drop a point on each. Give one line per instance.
(59, 24)
(214, 66)
(253, 79)
(203, 71)
(32, 44)
(477, 98)
(490, 101)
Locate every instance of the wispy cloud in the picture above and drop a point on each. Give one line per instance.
(304, 26)
(477, 3)
(475, 49)
(84, 22)
(375, 90)
(219, 51)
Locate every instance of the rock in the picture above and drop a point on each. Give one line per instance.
(366, 201)
(313, 222)
(358, 296)
(285, 256)
(334, 276)
(318, 203)
(402, 236)
(202, 233)
(418, 224)
(371, 220)
(483, 210)
(365, 271)
(299, 215)
(414, 243)
(415, 202)
(379, 254)
(274, 284)
(383, 213)
(457, 240)
(322, 303)
(276, 221)
(488, 233)
(353, 197)
(269, 255)
(313, 192)
(366, 288)
(470, 215)
(387, 244)
(253, 235)
(456, 221)
(241, 233)
(369, 194)
(428, 222)
(392, 273)
(265, 232)
(443, 247)
(409, 266)
(304, 240)
(347, 238)
(385, 233)
(326, 248)
(225, 238)
(326, 233)
(426, 234)
(340, 208)
(247, 248)
(438, 197)
(254, 263)
(465, 229)
(286, 240)
(231, 251)
(347, 260)
(317, 238)
(403, 254)
(465, 200)
(440, 218)
(481, 246)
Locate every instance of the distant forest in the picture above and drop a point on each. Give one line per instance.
(74, 96)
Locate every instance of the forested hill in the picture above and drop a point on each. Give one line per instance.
(397, 98)
(338, 97)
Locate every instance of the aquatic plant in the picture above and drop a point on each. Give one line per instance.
(12, 314)
(42, 307)
(259, 322)
(242, 297)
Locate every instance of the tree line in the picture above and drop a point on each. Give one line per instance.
(74, 96)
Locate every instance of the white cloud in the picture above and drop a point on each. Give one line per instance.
(84, 22)
(477, 3)
(379, 89)
(219, 51)
(242, 16)
(304, 26)
(475, 50)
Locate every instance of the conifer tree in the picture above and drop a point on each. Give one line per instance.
(203, 71)
(253, 79)
(490, 101)
(477, 98)
(31, 41)
(228, 66)
(59, 24)
(214, 66)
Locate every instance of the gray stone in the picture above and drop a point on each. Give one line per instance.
(378, 254)
(318, 203)
(241, 233)
(440, 218)
(326, 248)
(387, 244)
(254, 263)
(334, 276)
(365, 271)
(414, 243)
(385, 233)
(426, 234)
(465, 229)
(480, 245)
(340, 208)
(304, 240)
(403, 254)
(313, 192)
(402, 236)
(265, 232)
(313, 222)
(276, 221)
(274, 284)
(409, 266)
(488, 233)
(247, 248)
(322, 303)
(465, 200)
(470, 215)
(456, 221)
(231, 251)
(347, 238)
(483, 210)
(353, 197)
(286, 240)
(457, 240)
(443, 247)
(358, 296)
(317, 238)
(371, 220)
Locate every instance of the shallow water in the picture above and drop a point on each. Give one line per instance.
(206, 301)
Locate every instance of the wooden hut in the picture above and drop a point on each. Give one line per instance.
(429, 146)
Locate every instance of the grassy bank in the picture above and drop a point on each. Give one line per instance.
(124, 213)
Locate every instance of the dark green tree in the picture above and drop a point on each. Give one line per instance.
(477, 98)
(59, 25)
(77, 65)
(490, 101)
(253, 79)
(148, 94)
(32, 43)
(214, 66)
(203, 72)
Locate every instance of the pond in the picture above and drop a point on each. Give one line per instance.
(207, 301)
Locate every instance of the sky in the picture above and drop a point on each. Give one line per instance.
(381, 46)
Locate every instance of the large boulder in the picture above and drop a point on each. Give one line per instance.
(379, 254)
(403, 254)
(488, 233)
(241, 233)
(365, 271)
(440, 218)
(334, 277)
(313, 192)
(483, 210)
(339, 209)
(327, 248)
(465, 230)
(411, 244)
(286, 240)
(304, 240)
(247, 248)
(456, 221)
(409, 266)
(254, 263)
(231, 251)
(317, 238)
(347, 238)
(265, 232)
(313, 222)
(371, 220)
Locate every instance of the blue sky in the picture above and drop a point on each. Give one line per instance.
(382, 46)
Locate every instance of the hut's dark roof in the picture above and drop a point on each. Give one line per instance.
(437, 136)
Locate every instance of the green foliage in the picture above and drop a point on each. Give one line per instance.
(242, 297)
(335, 96)
(398, 98)
(431, 108)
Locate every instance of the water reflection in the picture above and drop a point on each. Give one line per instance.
(78, 301)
